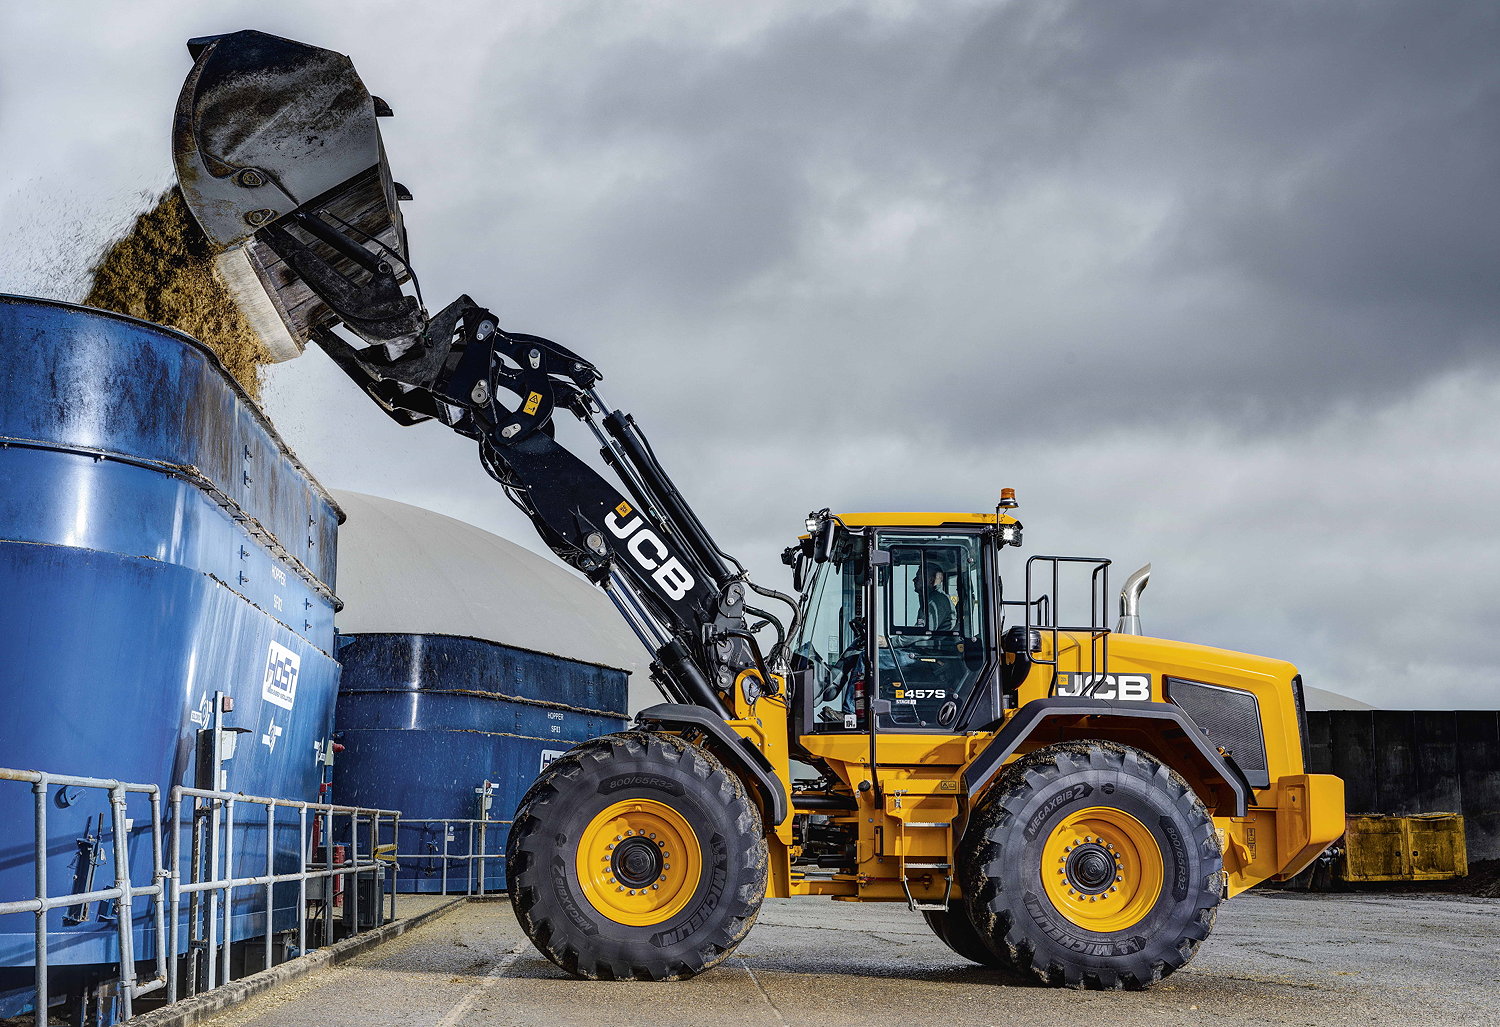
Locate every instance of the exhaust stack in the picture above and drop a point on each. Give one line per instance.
(1130, 602)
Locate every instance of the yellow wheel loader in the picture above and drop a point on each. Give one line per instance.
(1061, 799)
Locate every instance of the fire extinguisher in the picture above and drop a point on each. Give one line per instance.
(338, 882)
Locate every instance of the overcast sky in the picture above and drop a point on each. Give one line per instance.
(1212, 285)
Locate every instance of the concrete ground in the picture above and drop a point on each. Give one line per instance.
(1274, 958)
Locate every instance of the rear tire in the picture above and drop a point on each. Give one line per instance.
(954, 928)
(1092, 865)
(637, 856)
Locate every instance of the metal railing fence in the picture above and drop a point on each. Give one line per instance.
(204, 888)
(123, 893)
(212, 813)
(474, 882)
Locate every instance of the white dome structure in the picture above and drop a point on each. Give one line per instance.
(1322, 699)
(407, 570)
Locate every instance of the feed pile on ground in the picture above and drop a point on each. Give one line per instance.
(162, 270)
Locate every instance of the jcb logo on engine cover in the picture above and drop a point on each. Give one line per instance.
(667, 571)
(1131, 687)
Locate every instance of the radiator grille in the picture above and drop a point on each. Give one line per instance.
(1231, 717)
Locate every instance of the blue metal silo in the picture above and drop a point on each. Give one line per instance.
(427, 719)
(159, 544)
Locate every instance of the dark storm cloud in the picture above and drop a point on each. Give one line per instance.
(1258, 206)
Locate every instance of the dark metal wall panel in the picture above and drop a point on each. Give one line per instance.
(1395, 762)
(1353, 757)
(1319, 741)
(1423, 761)
(1434, 737)
(1478, 737)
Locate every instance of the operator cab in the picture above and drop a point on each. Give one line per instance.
(920, 591)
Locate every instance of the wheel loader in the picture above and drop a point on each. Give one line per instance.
(1060, 799)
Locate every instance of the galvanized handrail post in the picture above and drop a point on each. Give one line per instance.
(351, 901)
(158, 900)
(39, 838)
(395, 857)
(328, 882)
(124, 915)
(446, 829)
(304, 861)
(226, 973)
(376, 872)
(484, 837)
(211, 962)
(270, 873)
(174, 900)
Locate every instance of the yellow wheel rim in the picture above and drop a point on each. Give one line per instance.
(1102, 869)
(638, 862)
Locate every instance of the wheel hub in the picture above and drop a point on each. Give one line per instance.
(636, 862)
(1091, 868)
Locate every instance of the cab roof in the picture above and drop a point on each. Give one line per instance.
(921, 519)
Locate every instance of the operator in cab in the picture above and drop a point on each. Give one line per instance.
(937, 608)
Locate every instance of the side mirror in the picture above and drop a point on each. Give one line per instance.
(795, 557)
(824, 539)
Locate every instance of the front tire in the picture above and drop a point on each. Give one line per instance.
(637, 856)
(1093, 865)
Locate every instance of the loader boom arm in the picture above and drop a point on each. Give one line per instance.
(683, 597)
(279, 156)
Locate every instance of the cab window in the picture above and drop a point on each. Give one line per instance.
(930, 627)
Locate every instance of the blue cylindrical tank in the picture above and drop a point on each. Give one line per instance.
(425, 720)
(158, 544)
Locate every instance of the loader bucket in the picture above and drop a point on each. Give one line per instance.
(280, 160)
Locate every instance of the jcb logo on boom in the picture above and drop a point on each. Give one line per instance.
(667, 571)
(1132, 687)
